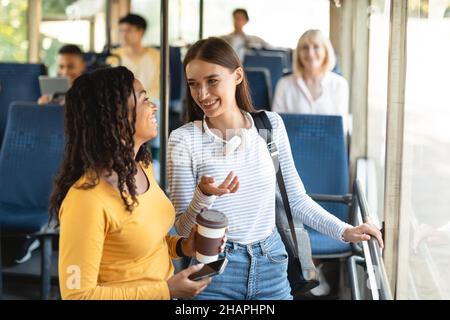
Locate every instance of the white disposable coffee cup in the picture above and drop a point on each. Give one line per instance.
(211, 226)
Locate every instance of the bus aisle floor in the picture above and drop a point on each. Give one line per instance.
(22, 281)
(339, 289)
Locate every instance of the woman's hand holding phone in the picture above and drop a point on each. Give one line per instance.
(181, 287)
(210, 269)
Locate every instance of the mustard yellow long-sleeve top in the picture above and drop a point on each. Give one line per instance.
(106, 252)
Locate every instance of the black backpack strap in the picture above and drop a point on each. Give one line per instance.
(265, 130)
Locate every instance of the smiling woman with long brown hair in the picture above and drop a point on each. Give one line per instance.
(114, 219)
(220, 143)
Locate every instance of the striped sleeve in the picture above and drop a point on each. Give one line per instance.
(302, 206)
(185, 195)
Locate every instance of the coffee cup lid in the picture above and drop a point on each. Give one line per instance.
(212, 219)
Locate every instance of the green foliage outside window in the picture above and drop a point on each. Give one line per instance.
(55, 8)
(13, 30)
(50, 46)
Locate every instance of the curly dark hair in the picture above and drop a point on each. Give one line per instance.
(99, 129)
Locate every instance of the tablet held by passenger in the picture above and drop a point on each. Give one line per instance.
(70, 65)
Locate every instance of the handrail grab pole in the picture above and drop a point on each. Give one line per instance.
(374, 247)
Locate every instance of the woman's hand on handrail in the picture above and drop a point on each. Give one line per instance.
(363, 232)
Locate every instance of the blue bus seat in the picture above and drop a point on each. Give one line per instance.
(176, 88)
(18, 81)
(97, 60)
(31, 154)
(272, 61)
(320, 156)
(286, 52)
(176, 73)
(260, 87)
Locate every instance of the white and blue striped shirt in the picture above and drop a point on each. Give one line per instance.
(194, 151)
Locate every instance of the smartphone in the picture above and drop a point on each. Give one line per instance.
(210, 269)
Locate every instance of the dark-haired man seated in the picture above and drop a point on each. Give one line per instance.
(71, 65)
(238, 39)
(142, 61)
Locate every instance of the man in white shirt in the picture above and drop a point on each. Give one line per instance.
(142, 61)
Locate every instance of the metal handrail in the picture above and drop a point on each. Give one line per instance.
(164, 92)
(379, 284)
(347, 199)
(375, 261)
(351, 265)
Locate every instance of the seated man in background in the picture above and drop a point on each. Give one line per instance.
(142, 61)
(238, 39)
(71, 65)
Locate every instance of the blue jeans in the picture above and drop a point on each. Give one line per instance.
(257, 271)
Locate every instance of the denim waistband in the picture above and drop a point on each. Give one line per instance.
(257, 246)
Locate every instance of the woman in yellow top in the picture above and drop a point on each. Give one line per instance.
(114, 219)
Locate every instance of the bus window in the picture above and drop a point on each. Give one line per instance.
(13, 30)
(294, 18)
(377, 98)
(298, 16)
(77, 22)
(425, 217)
(182, 28)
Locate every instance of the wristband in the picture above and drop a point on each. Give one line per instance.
(179, 250)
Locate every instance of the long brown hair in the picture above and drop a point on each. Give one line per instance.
(99, 128)
(217, 51)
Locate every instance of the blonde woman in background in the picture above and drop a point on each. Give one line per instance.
(313, 88)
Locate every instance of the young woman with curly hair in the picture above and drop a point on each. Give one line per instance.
(114, 219)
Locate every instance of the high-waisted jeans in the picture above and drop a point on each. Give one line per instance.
(256, 271)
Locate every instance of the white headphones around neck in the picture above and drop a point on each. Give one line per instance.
(232, 145)
(229, 146)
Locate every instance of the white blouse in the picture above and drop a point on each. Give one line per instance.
(293, 96)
